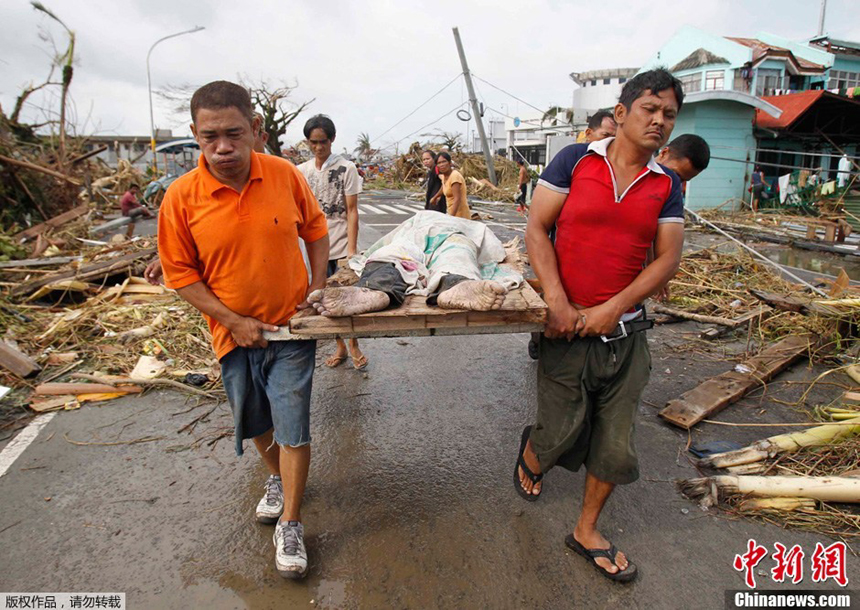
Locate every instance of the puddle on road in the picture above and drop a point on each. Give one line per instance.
(818, 262)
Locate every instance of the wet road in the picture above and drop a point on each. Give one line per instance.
(409, 504)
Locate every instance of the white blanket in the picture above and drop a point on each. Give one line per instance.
(431, 245)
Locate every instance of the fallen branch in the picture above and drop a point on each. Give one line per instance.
(39, 168)
(695, 317)
(151, 382)
(145, 439)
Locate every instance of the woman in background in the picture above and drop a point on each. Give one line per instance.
(434, 200)
(453, 187)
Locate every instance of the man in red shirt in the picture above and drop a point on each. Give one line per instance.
(131, 206)
(609, 201)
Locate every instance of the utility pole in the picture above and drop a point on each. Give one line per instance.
(479, 122)
(821, 17)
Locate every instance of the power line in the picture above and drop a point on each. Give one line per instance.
(776, 150)
(451, 82)
(433, 122)
(508, 93)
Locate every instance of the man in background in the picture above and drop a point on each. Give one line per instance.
(687, 155)
(523, 182)
(601, 125)
(336, 184)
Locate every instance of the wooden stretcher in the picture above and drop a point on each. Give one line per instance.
(522, 312)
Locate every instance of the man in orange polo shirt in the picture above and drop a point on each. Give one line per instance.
(228, 238)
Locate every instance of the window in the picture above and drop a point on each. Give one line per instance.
(606, 81)
(767, 81)
(742, 82)
(714, 80)
(594, 83)
(840, 79)
(622, 80)
(691, 82)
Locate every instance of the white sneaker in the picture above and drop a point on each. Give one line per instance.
(291, 558)
(271, 506)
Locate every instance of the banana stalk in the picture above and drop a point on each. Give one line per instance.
(710, 490)
(783, 504)
(783, 443)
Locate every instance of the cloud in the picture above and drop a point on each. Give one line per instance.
(368, 64)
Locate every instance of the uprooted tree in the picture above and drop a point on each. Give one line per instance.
(277, 109)
(35, 169)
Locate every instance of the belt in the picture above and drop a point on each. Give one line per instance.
(625, 329)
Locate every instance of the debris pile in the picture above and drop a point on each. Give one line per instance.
(808, 479)
(86, 314)
(731, 290)
(408, 170)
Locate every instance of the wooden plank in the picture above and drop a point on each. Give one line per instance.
(370, 323)
(94, 271)
(54, 222)
(458, 319)
(715, 394)
(17, 362)
(50, 389)
(40, 262)
(285, 335)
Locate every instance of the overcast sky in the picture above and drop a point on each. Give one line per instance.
(368, 63)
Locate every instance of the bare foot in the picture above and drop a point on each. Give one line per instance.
(347, 301)
(534, 465)
(475, 295)
(595, 540)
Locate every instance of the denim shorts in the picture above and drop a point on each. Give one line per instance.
(269, 388)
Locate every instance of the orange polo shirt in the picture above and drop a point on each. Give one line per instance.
(243, 246)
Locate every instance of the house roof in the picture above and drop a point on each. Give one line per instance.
(833, 45)
(813, 112)
(762, 51)
(792, 105)
(699, 57)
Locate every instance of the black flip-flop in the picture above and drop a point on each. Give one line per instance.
(521, 463)
(626, 575)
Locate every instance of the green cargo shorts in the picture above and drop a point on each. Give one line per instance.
(588, 392)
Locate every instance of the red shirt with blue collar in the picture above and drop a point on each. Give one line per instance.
(602, 238)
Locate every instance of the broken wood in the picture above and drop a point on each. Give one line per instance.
(740, 322)
(39, 168)
(52, 223)
(851, 397)
(40, 262)
(715, 394)
(95, 271)
(51, 389)
(17, 362)
(796, 304)
(695, 317)
(89, 154)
